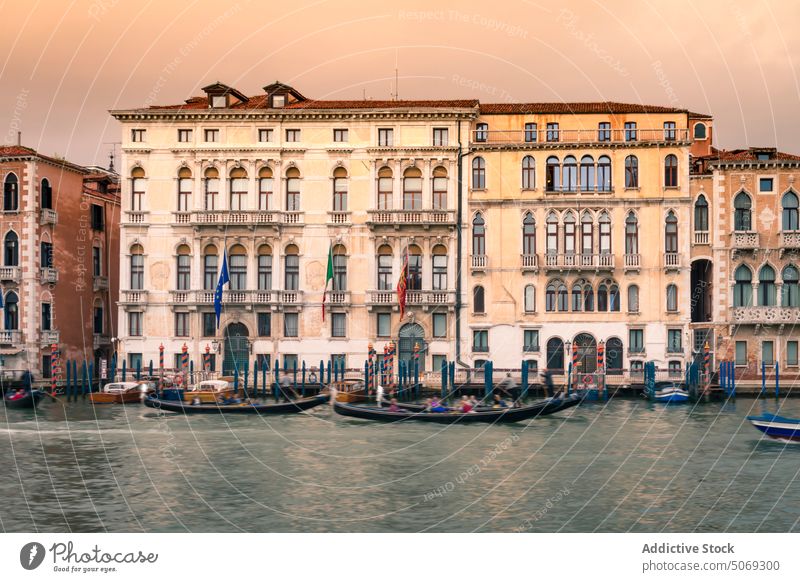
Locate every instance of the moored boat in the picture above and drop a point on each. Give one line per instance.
(121, 393)
(779, 428)
(670, 393)
(28, 399)
(539, 408)
(247, 407)
(204, 392)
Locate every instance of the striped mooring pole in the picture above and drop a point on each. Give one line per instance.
(416, 367)
(385, 362)
(185, 363)
(707, 362)
(207, 360)
(370, 369)
(391, 364)
(575, 363)
(601, 349)
(54, 368)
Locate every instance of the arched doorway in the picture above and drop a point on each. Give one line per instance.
(555, 354)
(587, 353)
(614, 355)
(701, 290)
(411, 334)
(236, 349)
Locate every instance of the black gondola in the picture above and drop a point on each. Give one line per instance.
(29, 400)
(241, 408)
(539, 408)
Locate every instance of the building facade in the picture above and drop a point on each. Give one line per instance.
(59, 226)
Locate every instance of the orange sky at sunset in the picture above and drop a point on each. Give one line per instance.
(66, 63)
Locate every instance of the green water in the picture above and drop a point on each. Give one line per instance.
(627, 465)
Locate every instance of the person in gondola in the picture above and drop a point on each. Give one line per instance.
(466, 405)
(499, 402)
(379, 395)
(508, 386)
(547, 376)
(393, 407)
(17, 394)
(437, 406)
(474, 402)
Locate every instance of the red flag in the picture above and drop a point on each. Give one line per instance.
(402, 284)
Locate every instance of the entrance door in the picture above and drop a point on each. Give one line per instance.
(410, 335)
(587, 353)
(614, 356)
(555, 354)
(236, 349)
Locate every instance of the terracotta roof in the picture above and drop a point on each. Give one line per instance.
(695, 115)
(587, 107)
(24, 152)
(260, 102)
(751, 155)
(15, 150)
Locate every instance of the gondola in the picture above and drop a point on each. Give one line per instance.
(241, 408)
(540, 408)
(30, 399)
(779, 428)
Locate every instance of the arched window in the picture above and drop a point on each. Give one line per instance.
(552, 234)
(790, 291)
(552, 175)
(555, 354)
(439, 268)
(47, 194)
(478, 305)
(185, 184)
(137, 268)
(265, 189)
(602, 297)
(11, 249)
(790, 218)
(587, 174)
(577, 296)
(569, 233)
(478, 235)
(184, 268)
(631, 234)
(439, 201)
(291, 268)
(11, 311)
(11, 193)
(701, 214)
(238, 189)
(138, 189)
(211, 189)
(414, 267)
(766, 286)
(613, 298)
(614, 353)
(412, 189)
(385, 282)
(339, 268)
(633, 298)
(237, 268)
(605, 232)
(588, 297)
(604, 174)
(528, 234)
(672, 297)
(699, 131)
(339, 190)
(530, 299)
(631, 172)
(210, 265)
(671, 171)
(742, 212)
(671, 233)
(293, 190)
(742, 287)
(478, 174)
(550, 297)
(385, 188)
(569, 182)
(264, 268)
(587, 234)
(528, 173)
(563, 299)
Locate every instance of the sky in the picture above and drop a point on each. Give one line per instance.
(65, 63)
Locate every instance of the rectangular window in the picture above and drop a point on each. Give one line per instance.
(135, 361)
(674, 341)
(46, 255)
(209, 324)
(741, 353)
(630, 131)
(264, 362)
(210, 272)
(768, 353)
(212, 135)
(439, 272)
(290, 324)
(184, 135)
(47, 366)
(290, 362)
(604, 131)
(218, 101)
(137, 135)
(97, 262)
(97, 217)
(765, 184)
(675, 369)
(237, 270)
(212, 362)
(636, 340)
(669, 131)
(439, 325)
(437, 360)
(480, 340)
(339, 360)
(264, 272)
(98, 320)
(184, 273)
(531, 133)
(182, 324)
(384, 323)
(292, 135)
(552, 132)
(530, 341)
(791, 353)
(341, 135)
(385, 282)
(338, 325)
(46, 317)
(481, 132)
(385, 136)
(135, 323)
(265, 135)
(278, 100)
(292, 272)
(440, 136)
(264, 324)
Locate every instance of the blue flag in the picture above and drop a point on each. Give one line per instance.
(224, 277)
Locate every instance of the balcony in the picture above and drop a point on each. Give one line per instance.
(672, 261)
(48, 216)
(529, 138)
(182, 217)
(744, 241)
(383, 297)
(701, 237)
(765, 315)
(247, 218)
(339, 217)
(10, 274)
(530, 263)
(100, 283)
(48, 275)
(790, 241)
(633, 261)
(133, 296)
(10, 337)
(429, 299)
(423, 218)
(338, 298)
(579, 262)
(136, 217)
(479, 262)
(49, 337)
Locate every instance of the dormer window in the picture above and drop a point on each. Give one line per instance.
(219, 101)
(762, 156)
(278, 100)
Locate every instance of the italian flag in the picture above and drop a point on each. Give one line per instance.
(328, 278)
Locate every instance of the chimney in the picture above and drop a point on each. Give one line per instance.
(19, 138)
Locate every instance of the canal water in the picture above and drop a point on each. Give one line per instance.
(625, 465)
